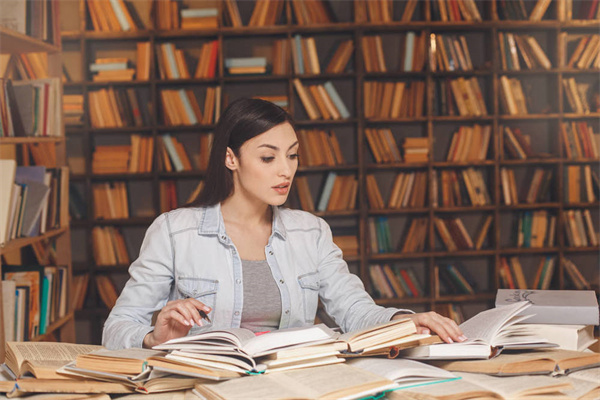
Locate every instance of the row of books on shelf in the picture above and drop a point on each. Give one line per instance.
(412, 53)
(30, 108)
(181, 107)
(26, 66)
(105, 289)
(338, 193)
(318, 147)
(392, 282)
(577, 95)
(586, 54)
(33, 297)
(390, 100)
(115, 108)
(172, 62)
(138, 157)
(383, 100)
(38, 19)
(73, 109)
(109, 246)
(579, 228)
(463, 187)
(580, 140)
(408, 190)
(385, 150)
(34, 200)
(321, 101)
(513, 45)
(581, 184)
(170, 14)
(538, 188)
(535, 229)
(110, 200)
(446, 53)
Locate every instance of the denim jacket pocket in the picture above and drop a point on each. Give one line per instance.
(310, 285)
(203, 290)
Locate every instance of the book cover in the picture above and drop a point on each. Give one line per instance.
(564, 307)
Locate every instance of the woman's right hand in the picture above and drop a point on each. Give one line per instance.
(175, 320)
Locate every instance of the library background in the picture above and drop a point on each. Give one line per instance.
(453, 146)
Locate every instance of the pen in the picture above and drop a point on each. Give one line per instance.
(204, 315)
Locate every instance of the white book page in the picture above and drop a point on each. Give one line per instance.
(487, 324)
(262, 344)
(516, 386)
(399, 369)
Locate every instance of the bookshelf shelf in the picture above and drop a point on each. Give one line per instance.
(31, 140)
(17, 43)
(17, 244)
(542, 125)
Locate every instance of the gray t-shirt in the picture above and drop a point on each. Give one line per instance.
(262, 300)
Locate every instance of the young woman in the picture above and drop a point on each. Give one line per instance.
(234, 258)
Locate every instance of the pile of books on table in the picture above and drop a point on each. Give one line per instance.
(317, 362)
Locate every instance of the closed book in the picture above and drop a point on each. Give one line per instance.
(567, 337)
(564, 307)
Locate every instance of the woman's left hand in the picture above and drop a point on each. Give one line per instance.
(433, 322)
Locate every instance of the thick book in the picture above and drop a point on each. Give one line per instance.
(42, 359)
(488, 333)
(479, 386)
(567, 337)
(241, 343)
(537, 362)
(338, 381)
(565, 307)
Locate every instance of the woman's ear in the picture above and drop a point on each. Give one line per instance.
(231, 160)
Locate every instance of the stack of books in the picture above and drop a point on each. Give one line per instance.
(111, 69)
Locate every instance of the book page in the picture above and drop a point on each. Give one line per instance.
(517, 386)
(487, 324)
(400, 370)
(287, 338)
(458, 389)
(591, 374)
(132, 353)
(311, 383)
(45, 356)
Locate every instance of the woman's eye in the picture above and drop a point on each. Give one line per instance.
(294, 156)
(267, 159)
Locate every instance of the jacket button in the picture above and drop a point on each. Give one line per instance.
(287, 311)
(271, 252)
(223, 237)
(281, 281)
(238, 281)
(237, 313)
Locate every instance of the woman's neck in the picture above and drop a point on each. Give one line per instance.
(237, 209)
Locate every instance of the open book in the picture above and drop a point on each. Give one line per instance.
(402, 371)
(555, 362)
(478, 386)
(488, 333)
(233, 352)
(42, 359)
(337, 381)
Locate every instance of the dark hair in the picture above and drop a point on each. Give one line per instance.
(242, 120)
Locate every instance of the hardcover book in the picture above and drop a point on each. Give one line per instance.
(565, 307)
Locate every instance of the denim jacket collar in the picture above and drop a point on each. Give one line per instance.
(212, 223)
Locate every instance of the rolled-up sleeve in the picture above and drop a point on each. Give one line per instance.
(146, 291)
(343, 293)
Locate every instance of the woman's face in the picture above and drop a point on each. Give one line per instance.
(267, 165)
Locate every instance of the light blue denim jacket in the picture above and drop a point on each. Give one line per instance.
(187, 253)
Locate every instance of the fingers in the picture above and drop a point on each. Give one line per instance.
(185, 312)
(444, 327)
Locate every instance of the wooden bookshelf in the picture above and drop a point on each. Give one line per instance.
(542, 122)
(63, 328)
